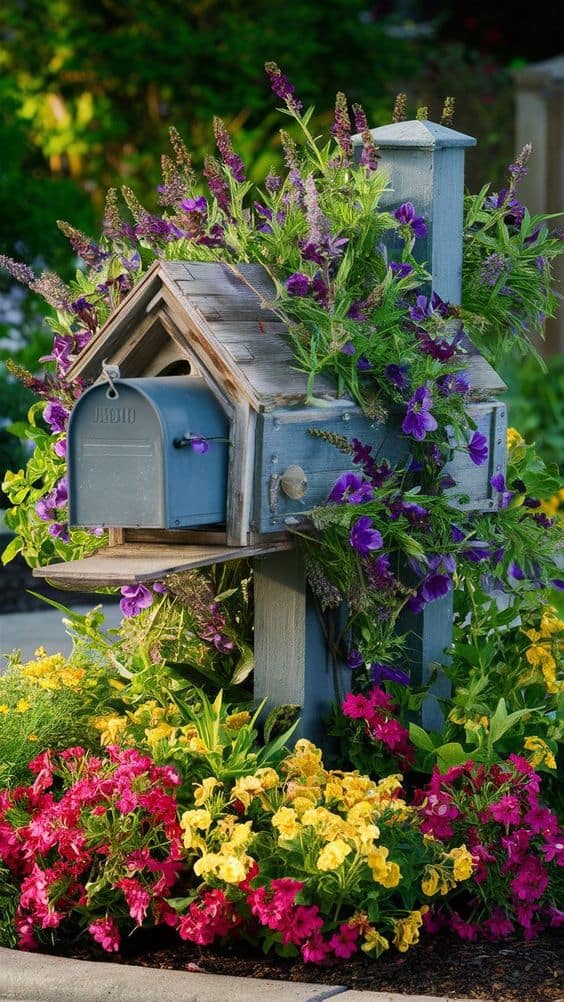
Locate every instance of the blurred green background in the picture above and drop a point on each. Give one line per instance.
(88, 92)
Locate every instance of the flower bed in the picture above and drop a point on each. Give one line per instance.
(140, 787)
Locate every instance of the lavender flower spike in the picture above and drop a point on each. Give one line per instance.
(283, 88)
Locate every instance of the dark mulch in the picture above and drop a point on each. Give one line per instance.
(441, 965)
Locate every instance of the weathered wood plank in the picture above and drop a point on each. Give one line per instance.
(138, 562)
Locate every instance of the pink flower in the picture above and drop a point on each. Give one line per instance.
(106, 933)
(499, 926)
(305, 922)
(286, 889)
(553, 851)
(506, 811)
(516, 846)
(541, 821)
(315, 950)
(464, 930)
(531, 881)
(357, 707)
(138, 899)
(344, 942)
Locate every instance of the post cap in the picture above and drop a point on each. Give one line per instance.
(417, 134)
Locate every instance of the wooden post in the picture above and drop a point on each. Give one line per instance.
(540, 121)
(426, 166)
(293, 665)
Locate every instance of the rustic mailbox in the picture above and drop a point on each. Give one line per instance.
(202, 353)
(136, 458)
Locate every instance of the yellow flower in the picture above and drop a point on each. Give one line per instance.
(40, 652)
(111, 727)
(239, 836)
(406, 930)
(542, 755)
(208, 863)
(196, 819)
(333, 854)
(32, 737)
(430, 882)
(4, 709)
(269, 778)
(286, 821)
(235, 721)
(197, 746)
(231, 870)
(246, 789)
(373, 940)
(383, 872)
(360, 812)
(204, 790)
(550, 624)
(159, 733)
(22, 706)
(514, 439)
(463, 863)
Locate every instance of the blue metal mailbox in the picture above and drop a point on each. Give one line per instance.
(135, 455)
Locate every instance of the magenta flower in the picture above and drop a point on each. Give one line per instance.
(478, 448)
(531, 881)
(418, 419)
(344, 942)
(364, 537)
(506, 811)
(135, 599)
(406, 216)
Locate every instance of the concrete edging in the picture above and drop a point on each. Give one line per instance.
(33, 977)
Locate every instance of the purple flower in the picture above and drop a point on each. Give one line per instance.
(492, 268)
(319, 289)
(199, 204)
(558, 583)
(60, 448)
(401, 269)
(435, 586)
(418, 419)
(364, 364)
(498, 484)
(437, 348)
(397, 375)
(351, 488)
(283, 88)
(348, 349)
(56, 416)
(476, 551)
(45, 509)
(379, 574)
(159, 588)
(297, 284)
(341, 129)
(233, 162)
(385, 673)
(478, 448)
(272, 183)
(364, 537)
(63, 346)
(356, 310)
(405, 214)
(355, 659)
(514, 210)
(60, 493)
(544, 521)
(516, 571)
(453, 382)
(135, 598)
(456, 533)
(59, 530)
(199, 445)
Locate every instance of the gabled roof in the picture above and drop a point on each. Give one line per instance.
(220, 318)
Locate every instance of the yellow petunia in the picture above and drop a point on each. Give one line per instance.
(286, 822)
(406, 930)
(200, 818)
(231, 869)
(333, 854)
(542, 754)
(111, 727)
(463, 863)
(204, 790)
(514, 439)
(374, 941)
(430, 882)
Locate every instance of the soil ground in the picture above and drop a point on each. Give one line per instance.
(514, 971)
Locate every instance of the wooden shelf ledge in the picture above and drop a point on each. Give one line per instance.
(136, 562)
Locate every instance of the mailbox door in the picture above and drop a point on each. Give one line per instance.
(116, 461)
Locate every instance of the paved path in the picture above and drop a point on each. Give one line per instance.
(28, 630)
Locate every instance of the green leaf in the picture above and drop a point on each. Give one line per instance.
(449, 754)
(14, 547)
(420, 738)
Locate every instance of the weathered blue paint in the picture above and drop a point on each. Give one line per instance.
(123, 466)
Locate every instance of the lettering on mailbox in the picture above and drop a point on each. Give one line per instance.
(114, 415)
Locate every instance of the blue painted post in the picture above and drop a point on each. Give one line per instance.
(426, 166)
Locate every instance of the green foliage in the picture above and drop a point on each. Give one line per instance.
(9, 897)
(535, 403)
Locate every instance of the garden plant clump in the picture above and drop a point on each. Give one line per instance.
(140, 786)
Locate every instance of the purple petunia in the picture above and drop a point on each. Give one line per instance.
(134, 599)
(400, 269)
(348, 349)
(385, 673)
(406, 216)
(453, 382)
(498, 484)
(476, 551)
(456, 533)
(355, 659)
(56, 416)
(351, 488)
(418, 419)
(298, 284)
(397, 375)
(364, 538)
(364, 364)
(478, 448)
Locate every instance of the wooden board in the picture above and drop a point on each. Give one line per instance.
(136, 562)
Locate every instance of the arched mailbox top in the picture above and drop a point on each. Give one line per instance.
(137, 450)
